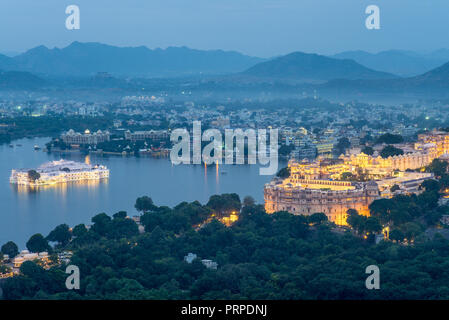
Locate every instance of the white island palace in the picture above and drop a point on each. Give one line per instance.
(61, 171)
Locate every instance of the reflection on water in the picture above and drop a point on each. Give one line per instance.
(216, 173)
(29, 210)
(60, 188)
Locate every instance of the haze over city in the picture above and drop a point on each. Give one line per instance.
(224, 150)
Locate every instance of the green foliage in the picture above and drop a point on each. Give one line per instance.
(225, 203)
(438, 167)
(317, 218)
(181, 218)
(11, 249)
(37, 243)
(248, 201)
(120, 226)
(101, 224)
(368, 150)
(50, 126)
(342, 145)
(406, 214)
(362, 224)
(389, 138)
(390, 151)
(79, 230)
(144, 204)
(395, 188)
(283, 173)
(285, 150)
(431, 185)
(60, 234)
(262, 256)
(33, 175)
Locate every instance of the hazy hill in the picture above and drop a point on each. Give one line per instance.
(313, 67)
(438, 74)
(434, 83)
(85, 59)
(7, 63)
(20, 80)
(400, 62)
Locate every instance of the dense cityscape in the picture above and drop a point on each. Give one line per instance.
(132, 172)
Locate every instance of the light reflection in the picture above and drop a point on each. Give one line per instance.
(216, 173)
(61, 188)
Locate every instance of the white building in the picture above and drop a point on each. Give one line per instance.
(58, 172)
(72, 137)
(190, 257)
(143, 135)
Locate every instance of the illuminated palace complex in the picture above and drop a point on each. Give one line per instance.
(353, 181)
(72, 137)
(58, 172)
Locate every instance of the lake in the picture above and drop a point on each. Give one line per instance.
(25, 212)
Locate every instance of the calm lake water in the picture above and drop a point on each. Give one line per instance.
(24, 212)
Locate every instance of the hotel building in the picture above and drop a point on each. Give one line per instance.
(319, 187)
(72, 137)
(58, 172)
(144, 135)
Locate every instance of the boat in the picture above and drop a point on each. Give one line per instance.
(36, 147)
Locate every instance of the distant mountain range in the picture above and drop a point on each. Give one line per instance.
(313, 67)
(400, 62)
(87, 59)
(94, 65)
(434, 82)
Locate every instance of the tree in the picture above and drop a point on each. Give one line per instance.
(368, 150)
(372, 225)
(33, 175)
(144, 204)
(390, 151)
(437, 167)
(102, 224)
(120, 215)
(225, 203)
(248, 201)
(37, 243)
(431, 185)
(382, 210)
(122, 227)
(356, 221)
(283, 173)
(342, 145)
(79, 230)
(285, 150)
(60, 234)
(389, 138)
(395, 188)
(317, 218)
(397, 235)
(11, 249)
(411, 230)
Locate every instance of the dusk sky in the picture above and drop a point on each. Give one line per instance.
(256, 27)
